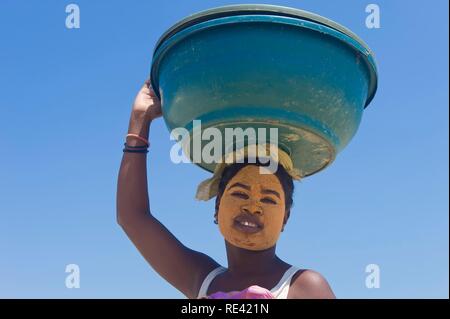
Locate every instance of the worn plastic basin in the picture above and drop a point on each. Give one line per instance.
(266, 66)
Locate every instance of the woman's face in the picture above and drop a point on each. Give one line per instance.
(251, 212)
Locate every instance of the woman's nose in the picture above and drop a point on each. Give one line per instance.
(252, 209)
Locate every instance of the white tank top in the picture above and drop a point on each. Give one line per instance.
(280, 291)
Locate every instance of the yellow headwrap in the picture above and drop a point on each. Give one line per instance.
(209, 187)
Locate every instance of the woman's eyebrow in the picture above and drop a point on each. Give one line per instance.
(271, 191)
(239, 185)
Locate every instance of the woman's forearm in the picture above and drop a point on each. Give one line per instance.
(132, 191)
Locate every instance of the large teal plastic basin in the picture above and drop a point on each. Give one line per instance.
(266, 66)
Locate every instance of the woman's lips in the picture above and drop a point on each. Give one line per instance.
(247, 224)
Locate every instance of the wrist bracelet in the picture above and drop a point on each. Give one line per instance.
(134, 149)
(125, 150)
(139, 138)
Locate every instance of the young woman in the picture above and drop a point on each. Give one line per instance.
(251, 211)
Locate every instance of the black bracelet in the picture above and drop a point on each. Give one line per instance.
(135, 147)
(125, 150)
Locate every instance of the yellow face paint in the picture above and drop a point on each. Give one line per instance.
(252, 209)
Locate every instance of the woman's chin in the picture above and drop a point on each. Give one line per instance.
(249, 245)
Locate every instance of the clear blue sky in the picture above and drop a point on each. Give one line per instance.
(64, 108)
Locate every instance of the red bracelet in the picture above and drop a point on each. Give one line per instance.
(139, 138)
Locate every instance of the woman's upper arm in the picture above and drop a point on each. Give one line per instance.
(182, 267)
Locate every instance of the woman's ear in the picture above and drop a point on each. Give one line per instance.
(218, 203)
(217, 206)
(286, 218)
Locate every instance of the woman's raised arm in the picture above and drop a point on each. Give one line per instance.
(182, 267)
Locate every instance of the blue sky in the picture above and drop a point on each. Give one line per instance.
(64, 108)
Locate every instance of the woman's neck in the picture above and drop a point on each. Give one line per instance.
(242, 261)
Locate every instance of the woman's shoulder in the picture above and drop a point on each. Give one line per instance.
(310, 284)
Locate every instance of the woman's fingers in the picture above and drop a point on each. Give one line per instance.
(148, 90)
(152, 92)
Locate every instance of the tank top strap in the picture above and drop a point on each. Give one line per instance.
(281, 290)
(208, 279)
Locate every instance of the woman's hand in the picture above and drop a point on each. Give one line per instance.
(146, 107)
(146, 104)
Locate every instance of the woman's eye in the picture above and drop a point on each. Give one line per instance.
(240, 195)
(268, 200)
